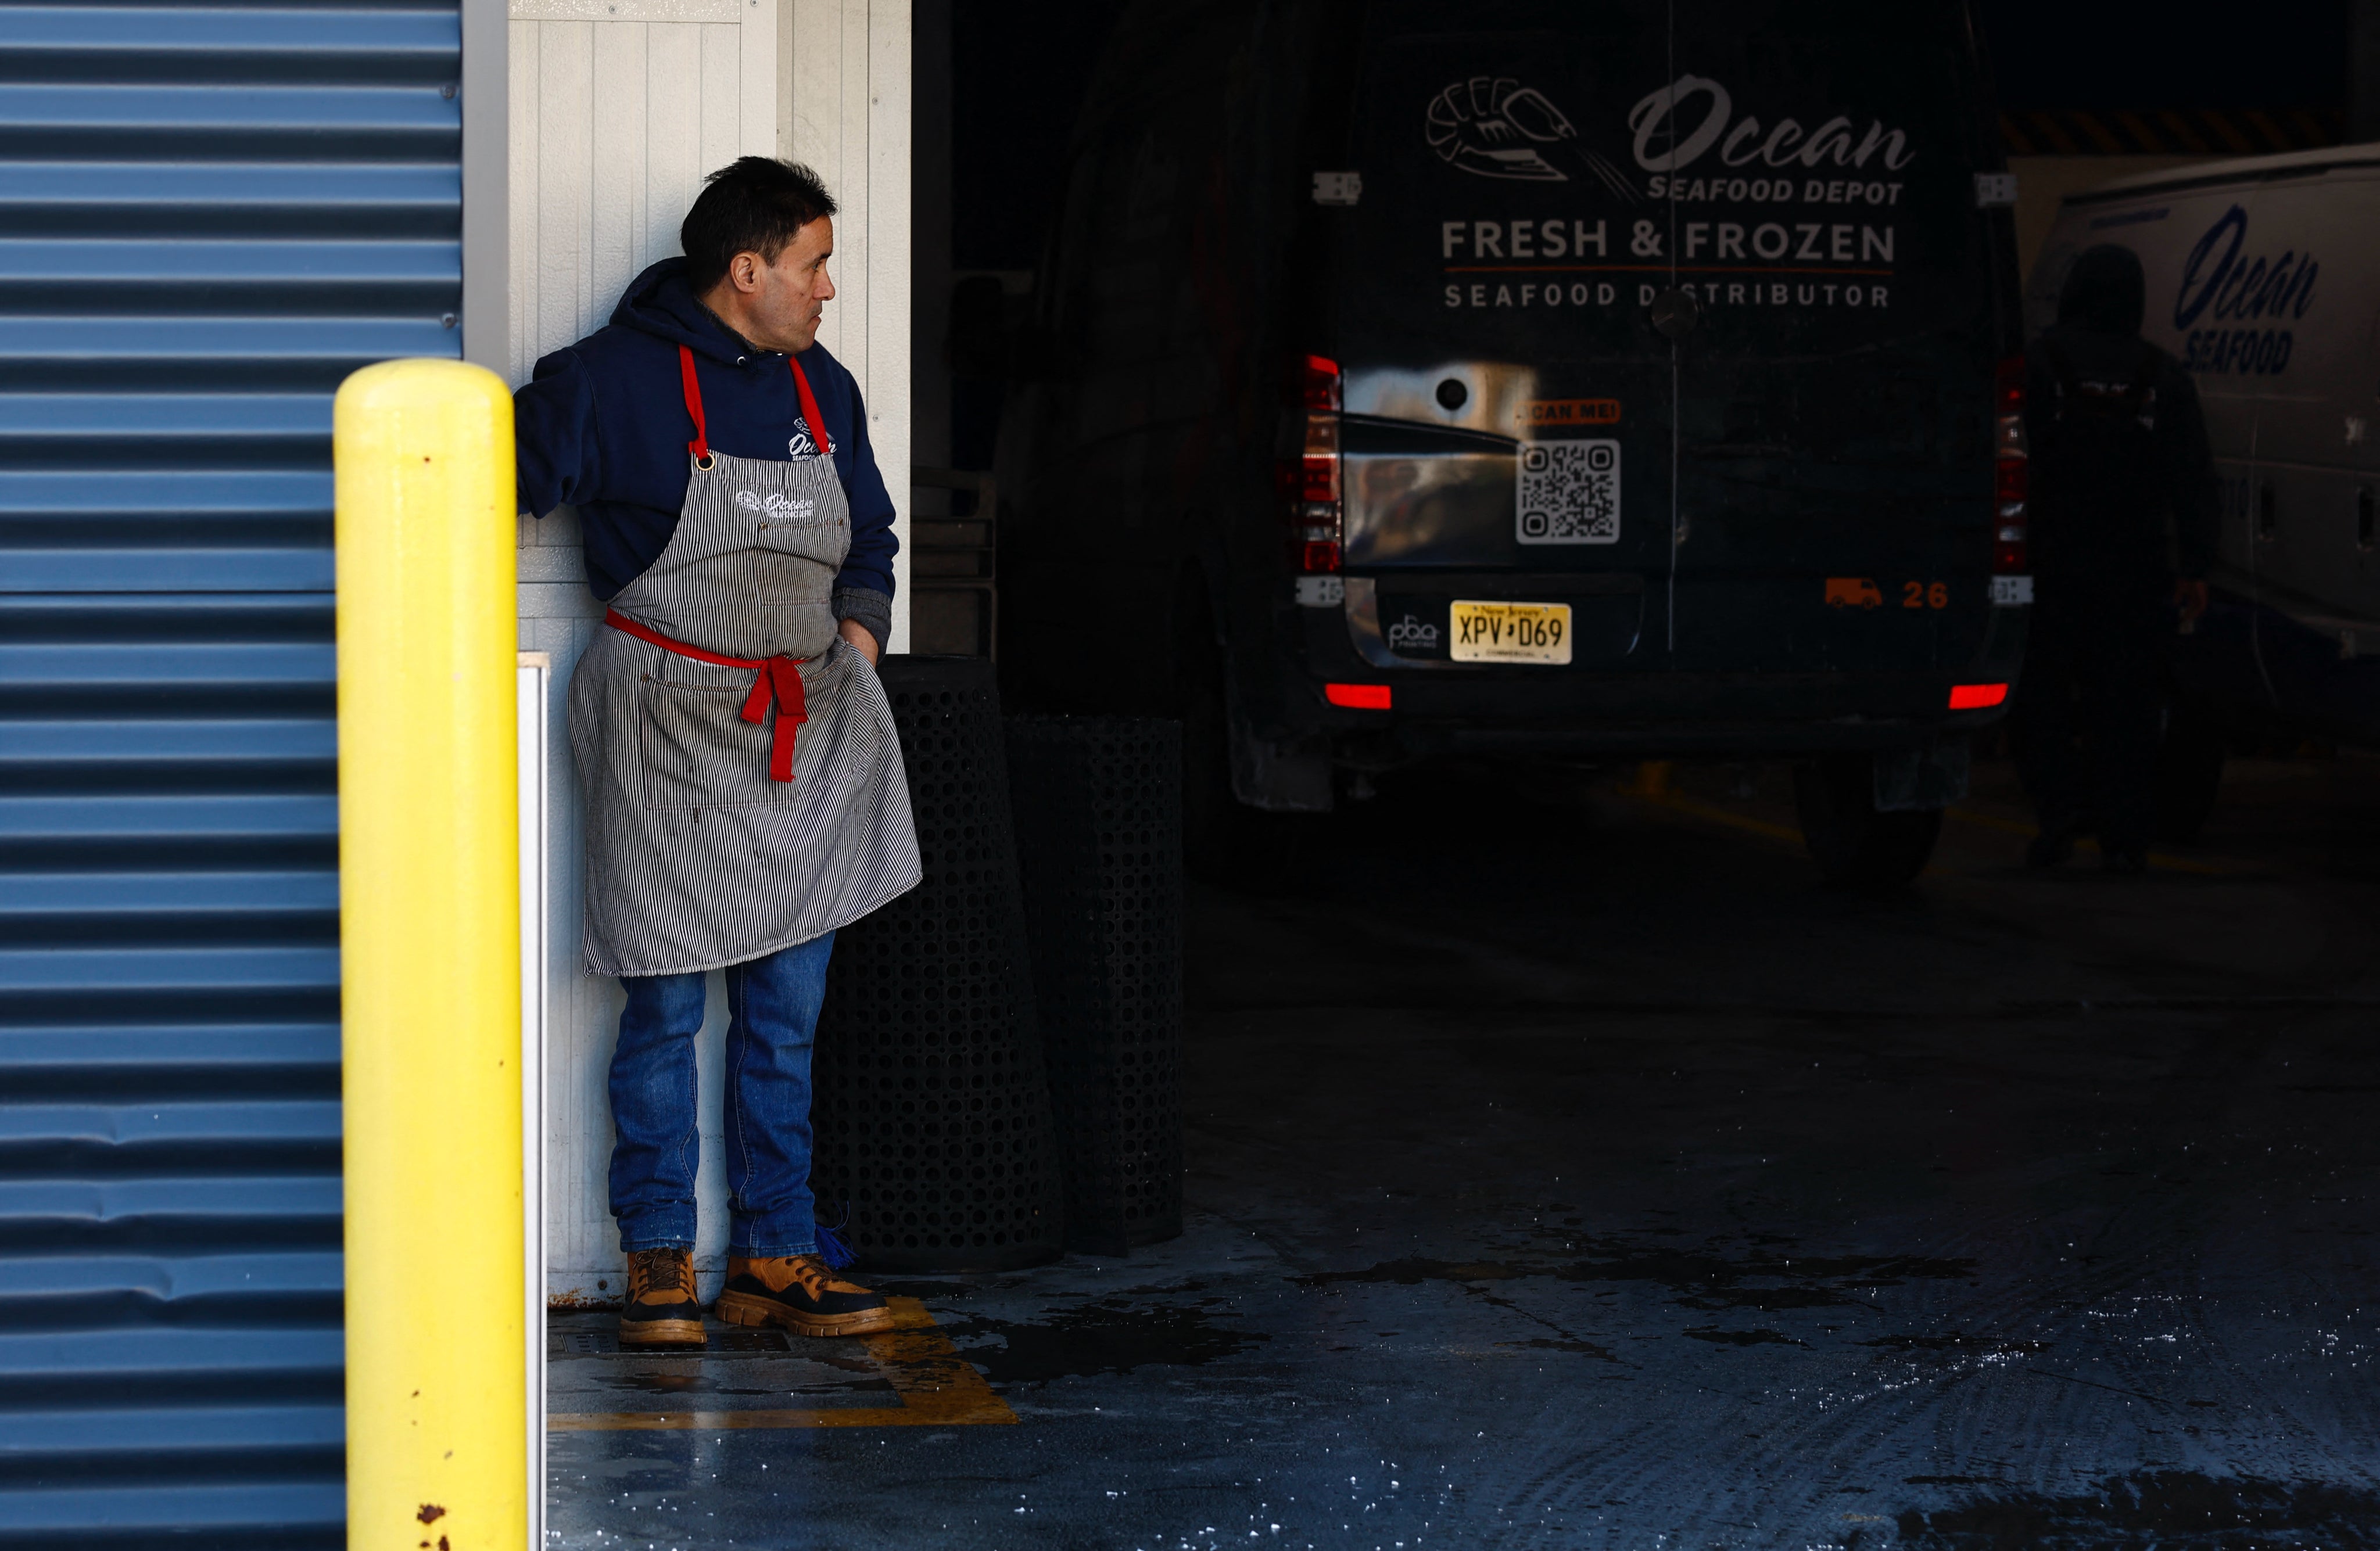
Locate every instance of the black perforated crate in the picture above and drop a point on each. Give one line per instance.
(1098, 802)
(933, 1107)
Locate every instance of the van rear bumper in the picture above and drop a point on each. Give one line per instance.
(1707, 719)
(1642, 715)
(1285, 754)
(1650, 740)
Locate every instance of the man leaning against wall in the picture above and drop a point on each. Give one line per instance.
(735, 754)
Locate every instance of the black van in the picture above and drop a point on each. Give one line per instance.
(1550, 379)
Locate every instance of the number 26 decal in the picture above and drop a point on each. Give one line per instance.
(1924, 595)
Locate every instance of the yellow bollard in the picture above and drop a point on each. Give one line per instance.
(430, 924)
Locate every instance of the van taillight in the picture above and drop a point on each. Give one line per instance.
(1977, 696)
(1309, 466)
(2009, 463)
(1318, 385)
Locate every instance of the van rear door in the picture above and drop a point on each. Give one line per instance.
(1682, 313)
(1508, 433)
(1812, 175)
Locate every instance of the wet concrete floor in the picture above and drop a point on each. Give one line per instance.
(1568, 1168)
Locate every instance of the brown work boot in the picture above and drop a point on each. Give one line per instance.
(799, 1292)
(660, 1308)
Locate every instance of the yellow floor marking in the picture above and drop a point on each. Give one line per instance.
(1711, 813)
(1652, 787)
(938, 1389)
(1994, 821)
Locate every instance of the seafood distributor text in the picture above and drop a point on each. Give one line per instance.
(1710, 293)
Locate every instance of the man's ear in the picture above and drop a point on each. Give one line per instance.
(745, 270)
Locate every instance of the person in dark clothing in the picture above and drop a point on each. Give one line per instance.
(2123, 510)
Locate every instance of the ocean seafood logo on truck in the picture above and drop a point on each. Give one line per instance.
(2230, 296)
(1657, 120)
(1494, 127)
(1731, 171)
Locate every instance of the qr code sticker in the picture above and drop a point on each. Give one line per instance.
(1570, 492)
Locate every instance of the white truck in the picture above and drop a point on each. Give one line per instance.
(2263, 280)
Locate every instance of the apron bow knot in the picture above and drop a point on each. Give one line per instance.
(779, 679)
(775, 678)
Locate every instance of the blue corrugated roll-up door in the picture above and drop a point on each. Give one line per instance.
(209, 215)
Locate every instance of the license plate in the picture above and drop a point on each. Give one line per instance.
(1508, 632)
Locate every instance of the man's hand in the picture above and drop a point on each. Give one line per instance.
(857, 632)
(2190, 596)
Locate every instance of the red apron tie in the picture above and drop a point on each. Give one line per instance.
(700, 446)
(784, 675)
(775, 678)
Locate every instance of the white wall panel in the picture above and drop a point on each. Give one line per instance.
(617, 190)
(887, 296)
(618, 108)
(848, 116)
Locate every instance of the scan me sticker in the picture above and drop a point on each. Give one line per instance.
(1545, 414)
(1569, 493)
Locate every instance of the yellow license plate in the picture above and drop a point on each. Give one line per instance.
(1510, 632)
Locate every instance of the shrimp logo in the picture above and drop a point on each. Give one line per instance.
(1494, 127)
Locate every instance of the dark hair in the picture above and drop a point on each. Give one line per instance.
(2104, 291)
(755, 204)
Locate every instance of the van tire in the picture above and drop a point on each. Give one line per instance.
(1224, 840)
(2188, 768)
(1857, 847)
(1211, 821)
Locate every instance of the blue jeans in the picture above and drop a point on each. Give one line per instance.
(773, 1009)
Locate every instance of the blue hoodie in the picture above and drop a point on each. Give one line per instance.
(603, 426)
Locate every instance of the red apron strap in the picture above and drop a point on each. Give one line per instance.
(810, 416)
(652, 637)
(700, 445)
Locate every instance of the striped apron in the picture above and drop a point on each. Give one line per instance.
(740, 772)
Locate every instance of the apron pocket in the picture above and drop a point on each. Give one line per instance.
(698, 751)
(796, 595)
